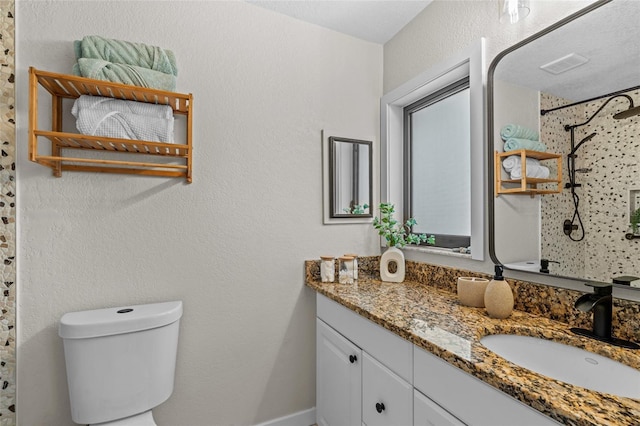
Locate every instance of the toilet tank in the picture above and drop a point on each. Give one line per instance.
(120, 361)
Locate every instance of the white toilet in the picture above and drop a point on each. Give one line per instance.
(120, 362)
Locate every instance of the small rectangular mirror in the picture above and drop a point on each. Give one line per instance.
(350, 177)
(347, 179)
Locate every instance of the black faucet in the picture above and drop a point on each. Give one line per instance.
(544, 265)
(601, 303)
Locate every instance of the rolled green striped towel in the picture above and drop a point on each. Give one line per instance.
(518, 131)
(513, 144)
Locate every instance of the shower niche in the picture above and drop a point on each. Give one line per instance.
(634, 215)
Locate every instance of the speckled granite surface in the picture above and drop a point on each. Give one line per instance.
(425, 310)
(8, 216)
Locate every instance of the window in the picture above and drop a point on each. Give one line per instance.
(437, 183)
(418, 189)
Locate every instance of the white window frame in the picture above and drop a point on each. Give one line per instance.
(471, 63)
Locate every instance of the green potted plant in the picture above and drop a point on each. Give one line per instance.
(357, 209)
(635, 222)
(398, 235)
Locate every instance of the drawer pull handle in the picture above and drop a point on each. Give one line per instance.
(352, 359)
(379, 407)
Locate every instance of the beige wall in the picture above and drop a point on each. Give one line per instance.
(231, 245)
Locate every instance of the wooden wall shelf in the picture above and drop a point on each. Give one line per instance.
(156, 158)
(526, 185)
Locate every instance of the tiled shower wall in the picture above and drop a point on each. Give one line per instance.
(8, 215)
(612, 163)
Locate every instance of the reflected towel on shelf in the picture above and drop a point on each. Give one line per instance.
(124, 52)
(514, 161)
(533, 171)
(518, 131)
(540, 172)
(510, 162)
(152, 122)
(99, 69)
(513, 144)
(513, 165)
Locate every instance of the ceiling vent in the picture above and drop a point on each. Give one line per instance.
(564, 64)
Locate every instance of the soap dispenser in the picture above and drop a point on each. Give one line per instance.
(498, 297)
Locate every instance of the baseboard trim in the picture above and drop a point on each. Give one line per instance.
(301, 418)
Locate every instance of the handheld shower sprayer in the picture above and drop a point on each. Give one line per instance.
(587, 139)
(569, 226)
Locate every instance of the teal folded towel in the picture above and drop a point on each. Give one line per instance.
(124, 52)
(518, 131)
(126, 74)
(513, 144)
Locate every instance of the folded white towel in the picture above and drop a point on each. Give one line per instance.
(116, 118)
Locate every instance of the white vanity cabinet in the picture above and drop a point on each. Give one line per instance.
(376, 388)
(369, 376)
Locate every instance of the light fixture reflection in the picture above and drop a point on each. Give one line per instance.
(513, 10)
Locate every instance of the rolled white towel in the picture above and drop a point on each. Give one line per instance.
(510, 162)
(533, 171)
(514, 161)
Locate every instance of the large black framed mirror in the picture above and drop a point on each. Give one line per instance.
(576, 85)
(350, 177)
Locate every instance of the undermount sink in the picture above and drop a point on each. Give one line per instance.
(566, 363)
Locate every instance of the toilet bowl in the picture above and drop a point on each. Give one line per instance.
(120, 362)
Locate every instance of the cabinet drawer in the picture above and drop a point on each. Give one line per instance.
(428, 413)
(388, 348)
(386, 398)
(468, 397)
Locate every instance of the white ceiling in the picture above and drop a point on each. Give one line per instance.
(374, 21)
(607, 37)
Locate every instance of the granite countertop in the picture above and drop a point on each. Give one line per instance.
(434, 320)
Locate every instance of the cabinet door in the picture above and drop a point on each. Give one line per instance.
(428, 413)
(338, 378)
(387, 399)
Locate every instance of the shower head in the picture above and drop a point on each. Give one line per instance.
(629, 112)
(632, 111)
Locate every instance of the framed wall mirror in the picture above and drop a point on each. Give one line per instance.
(350, 177)
(576, 87)
(347, 170)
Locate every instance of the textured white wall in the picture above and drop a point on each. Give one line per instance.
(518, 234)
(232, 244)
